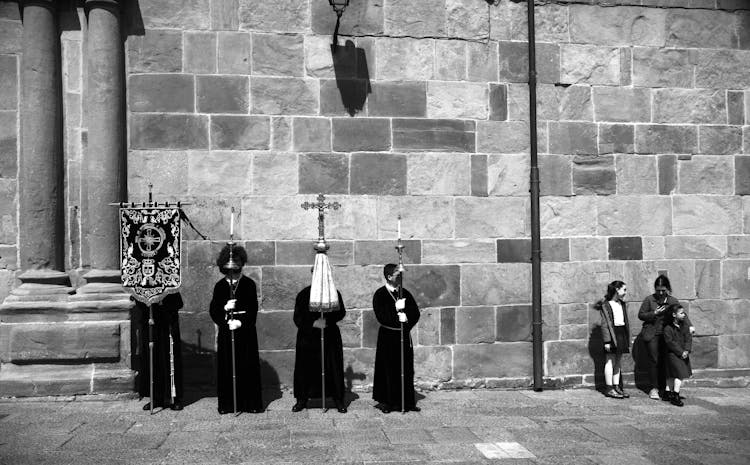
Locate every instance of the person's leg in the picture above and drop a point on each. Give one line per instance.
(652, 353)
(617, 376)
(609, 367)
(675, 398)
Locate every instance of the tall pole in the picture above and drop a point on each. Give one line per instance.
(536, 252)
(400, 248)
(322, 366)
(151, 357)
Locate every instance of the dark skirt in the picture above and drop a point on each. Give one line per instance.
(621, 334)
(677, 367)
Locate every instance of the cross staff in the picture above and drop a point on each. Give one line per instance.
(400, 249)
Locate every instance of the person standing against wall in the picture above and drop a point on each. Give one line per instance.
(616, 336)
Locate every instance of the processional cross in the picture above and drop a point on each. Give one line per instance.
(321, 205)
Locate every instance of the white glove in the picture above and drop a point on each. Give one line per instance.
(234, 324)
(402, 317)
(320, 324)
(400, 304)
(230, 304)
(692, 330)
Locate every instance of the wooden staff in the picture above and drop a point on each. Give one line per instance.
(322, 364)
(400, 248)
(151, 357)
(231, 266)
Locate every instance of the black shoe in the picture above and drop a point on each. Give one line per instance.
(299, 406)
(611, 392)
(622, 392)
(147, 406)
(666, 396)
(675, 400)
(340, 407)
(255, 410)
(385, 409)
(176, 406)
(413, 409)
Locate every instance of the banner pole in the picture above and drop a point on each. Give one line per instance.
(151, 356)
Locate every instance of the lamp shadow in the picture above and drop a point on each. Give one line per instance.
(352, 76)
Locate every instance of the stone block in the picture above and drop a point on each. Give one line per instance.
(259, 219)
(224, 15)
(278, 55)
(466, 20)
(165, 131)
(513, 62)
(706, 174)
(498, 102)
(589, 64)
(555, 250)
(161, 93)
(734, 351)
(277, 368)
(714, 317)
(379, 174)
(447, 326)
(625, 248)
(697, 106)
(514, 251)
(187, 14)
(433, 364)
(568, 357)
(402, 19)
(398, 99)
(222, 94)
(280, 285)
(499, 360)
(200, 52)
(358, 283)
(435, 285)
(235, 132)
(636, 174)
(475, 325)
(508, 175)
(210, 215)
(561, 103)
(458, 251)
(361, 134)
(667, 169)
(701, 29)
(737, 247)
(479, 284)
(634, 215)
(734, 283)
(623, 26)
(166, 170)
(8, 258)
(513, 323)
(741, 179)
(478, 217)
(382, 252)
(279, 16)
(351, 328)
(457, 100)
(234, 52)
(594, 175)
(450, 60)
(616, 138)
(502, 136)
(424, 217)
(11, 34)
(583, 249)
(574, 314)
(221, 173)
(571, 282)
(572, 138)
(276, 330)
(331, 102)
(275, 174)
(705, 352)
(319, 57)
(720, 140)
(302, 253)
(357, 219)
(359, 365)
(622, 104)
(362, 18)
(479, 175)
(706, 214)
(433, 135)
(9, 76)
(736, 107)
(555, 175)
(703, 247)
(568, 332)
(428, 329)
(438, 174)
(660, 139)
(708, 279)
(156, 51)
(45, 380)
(284, 96)
(67, 342)
(311, 134)
(405, 59)
(722, 69)
(8, 144)
(482, 62)
(281, 133)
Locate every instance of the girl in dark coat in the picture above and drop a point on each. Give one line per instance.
(679, 344)
(234, 306)
(616, 336)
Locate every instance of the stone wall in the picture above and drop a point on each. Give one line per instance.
(643, 143)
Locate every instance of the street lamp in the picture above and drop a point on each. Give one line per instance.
(339, 6)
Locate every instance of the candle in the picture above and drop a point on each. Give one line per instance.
(399, 227)
(231, 223)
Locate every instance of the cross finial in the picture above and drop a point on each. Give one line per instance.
(321, 205)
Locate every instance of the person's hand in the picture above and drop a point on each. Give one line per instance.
(692, 330)
(607, 347)
(320, 323)
(234, 324)
(685, 354)
(402, 317)
(230, 304)
(660, 309)
(400, 304)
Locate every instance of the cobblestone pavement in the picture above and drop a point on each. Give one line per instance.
(577, 426)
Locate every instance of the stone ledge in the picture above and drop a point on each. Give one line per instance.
(63, 380)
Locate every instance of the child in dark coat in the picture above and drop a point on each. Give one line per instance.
(679, 344)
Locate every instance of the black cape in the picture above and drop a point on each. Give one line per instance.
(245, 344)
(387, 380)
(307, 368)
(166, 323)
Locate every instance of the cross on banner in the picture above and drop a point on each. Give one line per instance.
(321, 205)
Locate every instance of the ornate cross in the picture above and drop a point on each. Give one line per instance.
(321, 205)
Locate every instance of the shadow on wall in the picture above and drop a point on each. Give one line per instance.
(641, 363)
(352, 76)
(596, 352)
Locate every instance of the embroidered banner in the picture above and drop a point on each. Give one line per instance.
(150, 251)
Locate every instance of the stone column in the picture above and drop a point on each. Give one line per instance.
(104, 160)
(40, 177)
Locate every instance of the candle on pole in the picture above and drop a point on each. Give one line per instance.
(231, 223)
(399, 226)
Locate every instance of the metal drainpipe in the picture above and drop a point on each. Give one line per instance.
(536, 253)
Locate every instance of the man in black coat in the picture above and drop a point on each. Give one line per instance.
(307, 366)
(393, 313)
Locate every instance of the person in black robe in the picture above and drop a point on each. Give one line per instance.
(307, 367)
(166, 374)
(392, 312)
(235, 295)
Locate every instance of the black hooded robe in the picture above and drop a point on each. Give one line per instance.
(246, 347)
(307, 367)
(387, 379)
